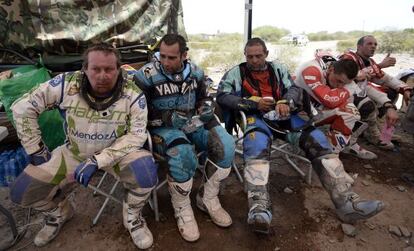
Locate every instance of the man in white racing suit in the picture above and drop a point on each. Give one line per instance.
(324, 79)
(105, 117)
(369, 99)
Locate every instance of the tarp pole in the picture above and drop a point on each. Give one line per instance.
(248, 6)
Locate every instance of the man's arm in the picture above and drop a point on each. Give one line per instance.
(134, 138)
(388, 61)
(327, 96)
(395, 84)
(28, 108)
(229, 92)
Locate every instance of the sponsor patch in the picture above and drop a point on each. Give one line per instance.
(56, 80)
(309, 77)
(142, 103)
(251, 120)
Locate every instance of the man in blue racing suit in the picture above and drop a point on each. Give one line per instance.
(181, 114)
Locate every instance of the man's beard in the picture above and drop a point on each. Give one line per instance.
(259, 68)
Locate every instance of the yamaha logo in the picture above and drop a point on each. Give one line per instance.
(177, 77)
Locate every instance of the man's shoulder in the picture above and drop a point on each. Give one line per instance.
(276, 64)
(196, 71)
(147, 71)
(130, 86)
(235, 70)
(309, 64)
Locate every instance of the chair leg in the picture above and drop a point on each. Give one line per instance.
(236, 170)
(154, 200)
(100, 182)
(288, 155)
(108, 197)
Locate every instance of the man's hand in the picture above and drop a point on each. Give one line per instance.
(391, 117)
(283, 110)
(365, 74)
(407, 96)
(206, 111)
(387, 61)
(40, 157)
(85, 170)
(266, 104)
(178, 120)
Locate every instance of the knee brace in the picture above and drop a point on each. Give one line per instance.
(221, 147)
(182, 160)
(256, 144)
(315, 143)
(27, 190)
(145, 171)
(365, 107)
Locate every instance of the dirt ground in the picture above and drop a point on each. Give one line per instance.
(303, 220)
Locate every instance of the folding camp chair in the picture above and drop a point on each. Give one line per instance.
(287, 150)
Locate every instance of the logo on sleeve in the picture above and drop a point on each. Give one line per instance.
(142, 103)
(56, 80)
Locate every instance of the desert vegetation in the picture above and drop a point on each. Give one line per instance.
(226, 50)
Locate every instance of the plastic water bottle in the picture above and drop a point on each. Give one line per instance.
(11, 171)
(274, 116)
(21, 159)
(386, 133)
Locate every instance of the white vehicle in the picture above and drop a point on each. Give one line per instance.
(296, 39)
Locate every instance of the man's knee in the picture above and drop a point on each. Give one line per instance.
(315, 143)
(182, 162)
(366, 108)
(27, 190)
(256, 145)
(221, 147)
(145, 171)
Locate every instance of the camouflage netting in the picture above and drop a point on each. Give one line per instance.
(66, 27)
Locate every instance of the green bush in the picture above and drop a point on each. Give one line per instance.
(221, 51)
(344, 45)
(270, 33)
(397, 41)
(286, 54)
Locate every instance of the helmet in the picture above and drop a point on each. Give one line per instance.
(407, 76)
(324, 58)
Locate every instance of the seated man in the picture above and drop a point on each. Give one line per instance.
(257, 87)
(367, 97)
(324, 79)
(105, 123)
(181, 114)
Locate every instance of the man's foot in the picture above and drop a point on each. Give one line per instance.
(359, 152)
(352, 209)
(259, 219)
(385, 145)
(213, 207)
(53, 222)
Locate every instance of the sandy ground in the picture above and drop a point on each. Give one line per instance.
(303, 219)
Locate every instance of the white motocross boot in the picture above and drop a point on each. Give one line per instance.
(180, 198)
(133, 221)
(207, 197)
(359, 152)
(349, 207)
(348, 144)
(260, 215)
(53, 222)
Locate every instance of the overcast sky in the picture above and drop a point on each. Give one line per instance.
(211, 16)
